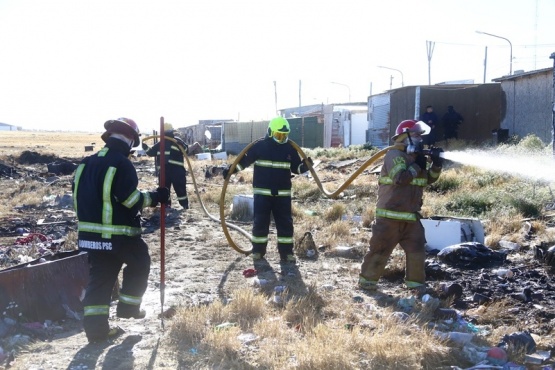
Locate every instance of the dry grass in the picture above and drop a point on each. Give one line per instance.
(314, 328)
(63, 144)
(296, 335)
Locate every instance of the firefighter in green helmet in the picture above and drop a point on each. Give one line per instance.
(274, 159)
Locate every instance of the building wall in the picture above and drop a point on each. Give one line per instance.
(480, 105)
(528, 105)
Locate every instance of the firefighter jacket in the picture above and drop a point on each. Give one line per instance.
(106, 198)
(401, 186)
(172, 153)
(273, 165)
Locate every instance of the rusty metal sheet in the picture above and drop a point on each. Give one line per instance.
(41, 288)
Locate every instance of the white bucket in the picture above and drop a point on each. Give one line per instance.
(204, 156)
(220, 155)
(243, 207)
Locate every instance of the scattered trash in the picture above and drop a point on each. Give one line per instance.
(247, 338)
(497, 356)
(519, 340)
(471, 255)
(514, 247)
(259, 282)
(249, 273)
(537, 358)
(225, 325)
(504, 273)
(358, 299)
(456, 337)
(400, 316)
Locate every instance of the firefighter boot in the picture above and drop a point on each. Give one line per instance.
(372, 269)
(415, 274)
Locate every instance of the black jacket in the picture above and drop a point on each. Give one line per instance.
(173, 154)
(106, 198)
(273, 165)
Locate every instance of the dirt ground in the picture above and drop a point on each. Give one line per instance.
(200, 268)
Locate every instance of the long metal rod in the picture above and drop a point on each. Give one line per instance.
(162, 183)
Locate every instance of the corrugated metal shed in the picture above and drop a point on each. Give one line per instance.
(528, 103)
(480, 105)
(307, 132)
(378, 120)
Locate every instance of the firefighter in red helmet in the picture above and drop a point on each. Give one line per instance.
(108, 206)
(405, 173)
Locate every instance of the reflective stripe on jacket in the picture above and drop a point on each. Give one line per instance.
(401, 186)
(106, 197)
(273, 165)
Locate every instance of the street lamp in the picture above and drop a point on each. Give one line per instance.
(393, 69)
(347, 86)
(511, 47)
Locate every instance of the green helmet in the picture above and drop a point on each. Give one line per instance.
(279, 129)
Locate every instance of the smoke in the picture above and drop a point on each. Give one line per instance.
(533, 166)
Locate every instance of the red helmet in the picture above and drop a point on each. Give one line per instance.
(411, 125)
(124, 126)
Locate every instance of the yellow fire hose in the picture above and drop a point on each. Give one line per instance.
(213, 218)
(312, 171)
(226, 225)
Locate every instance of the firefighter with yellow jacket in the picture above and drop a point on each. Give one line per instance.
(405, 173)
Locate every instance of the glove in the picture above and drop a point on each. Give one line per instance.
(161, 195)
(308, 161)
(225, 172)
(145, 147)
(421, 161)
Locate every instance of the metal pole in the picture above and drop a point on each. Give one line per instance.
(485, 63)
(510, 45)
(275, 96)
(430, 45)
(162, 183)
(393, 69)
(348, 89)
(552, 56)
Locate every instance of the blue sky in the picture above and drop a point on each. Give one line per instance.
(73, 64)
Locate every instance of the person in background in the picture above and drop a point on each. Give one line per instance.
(108, 206)
(176, 174)
(274, 160)
(430, 118)
(451, 121)
(404, 175)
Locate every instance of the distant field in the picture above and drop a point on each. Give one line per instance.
(62, 144)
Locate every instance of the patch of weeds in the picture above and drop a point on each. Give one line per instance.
(446, 183)
(472, 204)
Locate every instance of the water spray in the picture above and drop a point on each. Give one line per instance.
(534, 166)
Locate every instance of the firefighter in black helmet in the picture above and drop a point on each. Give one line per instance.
(108, 206)
(274, 160)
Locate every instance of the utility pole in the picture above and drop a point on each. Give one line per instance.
(485, 63)
(275, 96)
(430, 45)
(552, 56)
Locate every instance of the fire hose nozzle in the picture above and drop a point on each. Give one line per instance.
(433, 151)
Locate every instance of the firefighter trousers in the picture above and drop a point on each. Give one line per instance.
(386, 234)
(280, 207)
(103, 274)
(176, 176)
